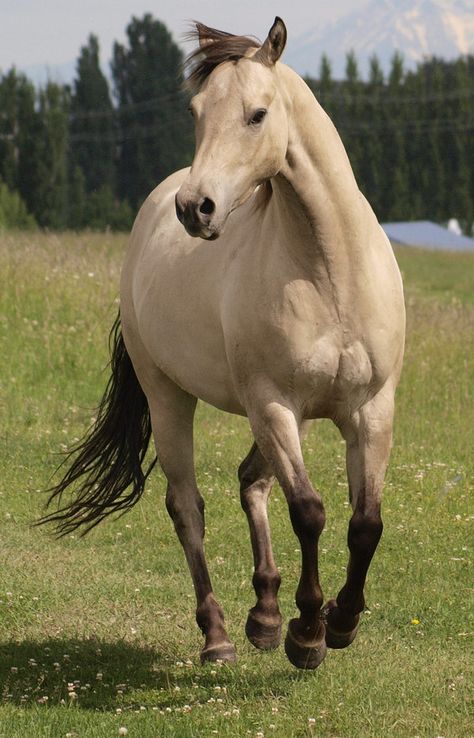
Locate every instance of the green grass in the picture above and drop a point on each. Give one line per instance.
(98, 634)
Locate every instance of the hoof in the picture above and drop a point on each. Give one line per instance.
(304, 654)
(263, 632)
(222, 652)
(335, 637)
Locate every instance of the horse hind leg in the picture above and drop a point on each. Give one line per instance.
(172, 414)
(263, 627)
(368, 439)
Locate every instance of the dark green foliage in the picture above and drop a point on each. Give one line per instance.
(103, 210)
(92, 121)
(50, 204)
(98, 209)
(34, 146)
(75, 159)
(13, 211)
(93, 145)
(19, 135)
(408, 137)
(155, 129)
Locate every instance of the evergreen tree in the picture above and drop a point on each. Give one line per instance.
(376, 78)
(397, 73)
(13, 211)
(50, 198)
(326, 85)
(459, 153)
(395, 198)
(18, 133)
(92, 125)
(103, 210)
(155, 128)
(77, 200)
(352, 128)
(436, 185)
(371, 164)
(9, 129)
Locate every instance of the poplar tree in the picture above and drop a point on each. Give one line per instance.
(50, 206)
(92, 124)
(19, 131)
(155, 127)
(371, 164)
(352, 128)
(326, 85)
(397, 204)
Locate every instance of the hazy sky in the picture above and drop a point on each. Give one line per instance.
(51, 32)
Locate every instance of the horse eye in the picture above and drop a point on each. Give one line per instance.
(257, 117)
(191, 111)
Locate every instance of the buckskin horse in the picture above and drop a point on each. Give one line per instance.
(295, 313)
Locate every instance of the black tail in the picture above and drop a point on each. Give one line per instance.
(108, 461)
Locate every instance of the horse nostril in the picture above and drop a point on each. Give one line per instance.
(207, 206)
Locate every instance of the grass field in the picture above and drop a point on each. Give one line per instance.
(97, 635)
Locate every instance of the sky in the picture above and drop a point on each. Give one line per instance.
(47, 33)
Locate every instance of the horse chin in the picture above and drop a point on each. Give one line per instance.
(207, 234)
(212, 231)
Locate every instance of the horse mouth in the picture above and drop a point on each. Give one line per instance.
(205, 232)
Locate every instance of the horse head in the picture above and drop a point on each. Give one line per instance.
(240, 125)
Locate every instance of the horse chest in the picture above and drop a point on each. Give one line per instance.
(316, 364)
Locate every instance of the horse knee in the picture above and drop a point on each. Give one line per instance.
(365, 531)
(307, 514)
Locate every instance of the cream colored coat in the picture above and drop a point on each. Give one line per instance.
(292, 311)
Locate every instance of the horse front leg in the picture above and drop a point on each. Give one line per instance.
(368, 437)
(172, 413)
(263, 627)
(275, 428)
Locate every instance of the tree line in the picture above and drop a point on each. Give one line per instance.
(86, 155)
(408, 136)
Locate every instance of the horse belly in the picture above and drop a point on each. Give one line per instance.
(181, 332)
(200, 370)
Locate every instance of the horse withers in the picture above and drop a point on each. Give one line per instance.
(259, 281)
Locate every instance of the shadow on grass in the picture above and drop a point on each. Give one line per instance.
(94, 674)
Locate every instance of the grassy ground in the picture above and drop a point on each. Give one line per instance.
(97, 636)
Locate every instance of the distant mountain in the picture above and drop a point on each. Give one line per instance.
(417, 28)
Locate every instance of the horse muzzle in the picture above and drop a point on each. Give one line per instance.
(197, 216)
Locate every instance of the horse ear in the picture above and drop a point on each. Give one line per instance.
(204, 35)
(275, 42)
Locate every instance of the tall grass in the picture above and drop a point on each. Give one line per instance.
(98, 634)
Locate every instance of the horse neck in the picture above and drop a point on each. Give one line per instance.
(316, 191)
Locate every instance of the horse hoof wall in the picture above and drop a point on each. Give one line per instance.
(302, 654)
(224, 652)
(263, 633)
(337, 638)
